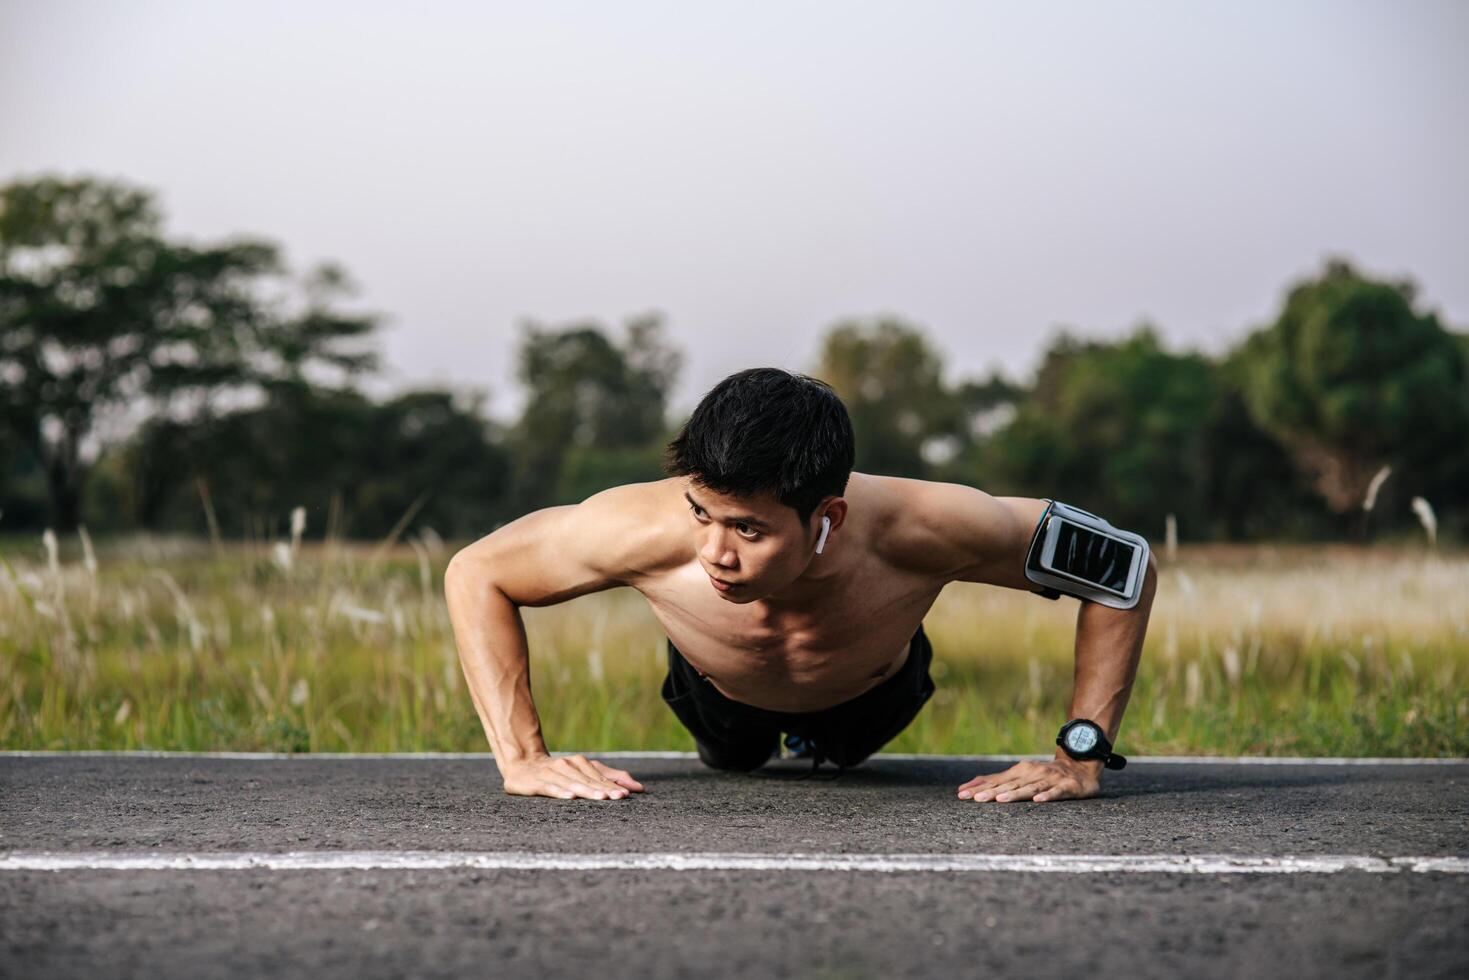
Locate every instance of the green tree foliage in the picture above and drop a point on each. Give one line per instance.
(1351, 377)
(1116, 428)
(423, 454)
(1248, 487)
(219, 360)
(891, 380)
(594, 412)
(22, 484)
(101, 314)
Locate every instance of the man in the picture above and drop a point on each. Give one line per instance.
(792, 591)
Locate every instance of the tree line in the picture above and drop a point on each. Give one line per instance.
(152, 383)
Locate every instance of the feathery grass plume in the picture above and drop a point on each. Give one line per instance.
(89, 557)
(351, 610)
(53, 560)
(1170, 537)
(281, 553)
(1034, 680)
(209, 516)
(1370, 501)
(1424, 510)
(425, 578)
(183, 609)
(391, 537)
(1186, 584)
(59, 611)
(596, 672)
(18, 583)
(1233, 668)
(298, 527)
(1193, 682)
(432, 540)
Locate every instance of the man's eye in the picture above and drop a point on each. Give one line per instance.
(742, 528)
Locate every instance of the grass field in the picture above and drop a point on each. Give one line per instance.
(166, 644)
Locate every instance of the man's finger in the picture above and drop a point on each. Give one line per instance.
(570, 789)
(593, 778)
(975, 786)
(578, 767)
(543, 788)
(590, 792)
(979, 782)
(612, 790)
(618, 776)
(1022, 792)
(990, 792)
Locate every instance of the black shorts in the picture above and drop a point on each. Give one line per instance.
(734, 735)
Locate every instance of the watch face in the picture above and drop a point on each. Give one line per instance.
(1082, 738)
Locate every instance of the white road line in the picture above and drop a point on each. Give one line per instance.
(1197, 864)
(1193, 760)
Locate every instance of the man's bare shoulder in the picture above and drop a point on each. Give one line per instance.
(637, 528)
(619, 536)
(952, 531)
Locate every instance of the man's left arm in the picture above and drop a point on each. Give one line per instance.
(1109, 643)
(975, 537)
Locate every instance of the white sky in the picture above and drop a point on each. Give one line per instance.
(757, 171)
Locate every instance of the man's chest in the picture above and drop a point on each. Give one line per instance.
(795, 660)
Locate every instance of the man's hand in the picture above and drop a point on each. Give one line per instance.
(1058, 779)
(567, 777)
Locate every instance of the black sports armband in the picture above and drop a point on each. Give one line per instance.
(1076, 553)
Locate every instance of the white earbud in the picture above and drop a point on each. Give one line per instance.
(825, 527)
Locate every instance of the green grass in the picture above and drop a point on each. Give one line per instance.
(1250, 651)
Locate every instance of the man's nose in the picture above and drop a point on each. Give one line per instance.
(715, 551)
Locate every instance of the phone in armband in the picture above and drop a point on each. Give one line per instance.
(1076, 553)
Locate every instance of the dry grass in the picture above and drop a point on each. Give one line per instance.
(170, 644)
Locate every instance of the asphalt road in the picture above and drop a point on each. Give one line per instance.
(770, 922)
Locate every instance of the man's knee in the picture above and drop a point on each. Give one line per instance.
(846, 758)
(741, 759)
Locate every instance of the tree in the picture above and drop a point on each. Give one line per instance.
(1351, 377)
(588, 396)
(22, 485)
(891, 380)
(1250, 488)
(423, 453)
(102, 316)
(1112, 427)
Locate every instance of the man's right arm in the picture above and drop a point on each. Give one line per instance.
(542, 558)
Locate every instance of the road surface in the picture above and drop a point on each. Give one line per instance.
(186, 865)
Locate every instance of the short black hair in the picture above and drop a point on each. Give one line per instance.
(768, 429)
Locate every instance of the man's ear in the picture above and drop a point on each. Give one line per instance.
(832, 507)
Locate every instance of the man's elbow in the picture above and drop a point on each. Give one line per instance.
(464, 567)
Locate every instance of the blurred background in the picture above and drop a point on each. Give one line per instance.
(295, 298)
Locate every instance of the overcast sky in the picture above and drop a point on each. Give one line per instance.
(757, 171)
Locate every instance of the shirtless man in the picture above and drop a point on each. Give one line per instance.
(766, 635)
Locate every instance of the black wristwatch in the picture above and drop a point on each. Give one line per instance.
(1084, 739)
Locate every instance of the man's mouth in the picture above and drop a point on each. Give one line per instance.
(722, 585)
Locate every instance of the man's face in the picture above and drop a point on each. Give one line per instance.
(756, 543)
